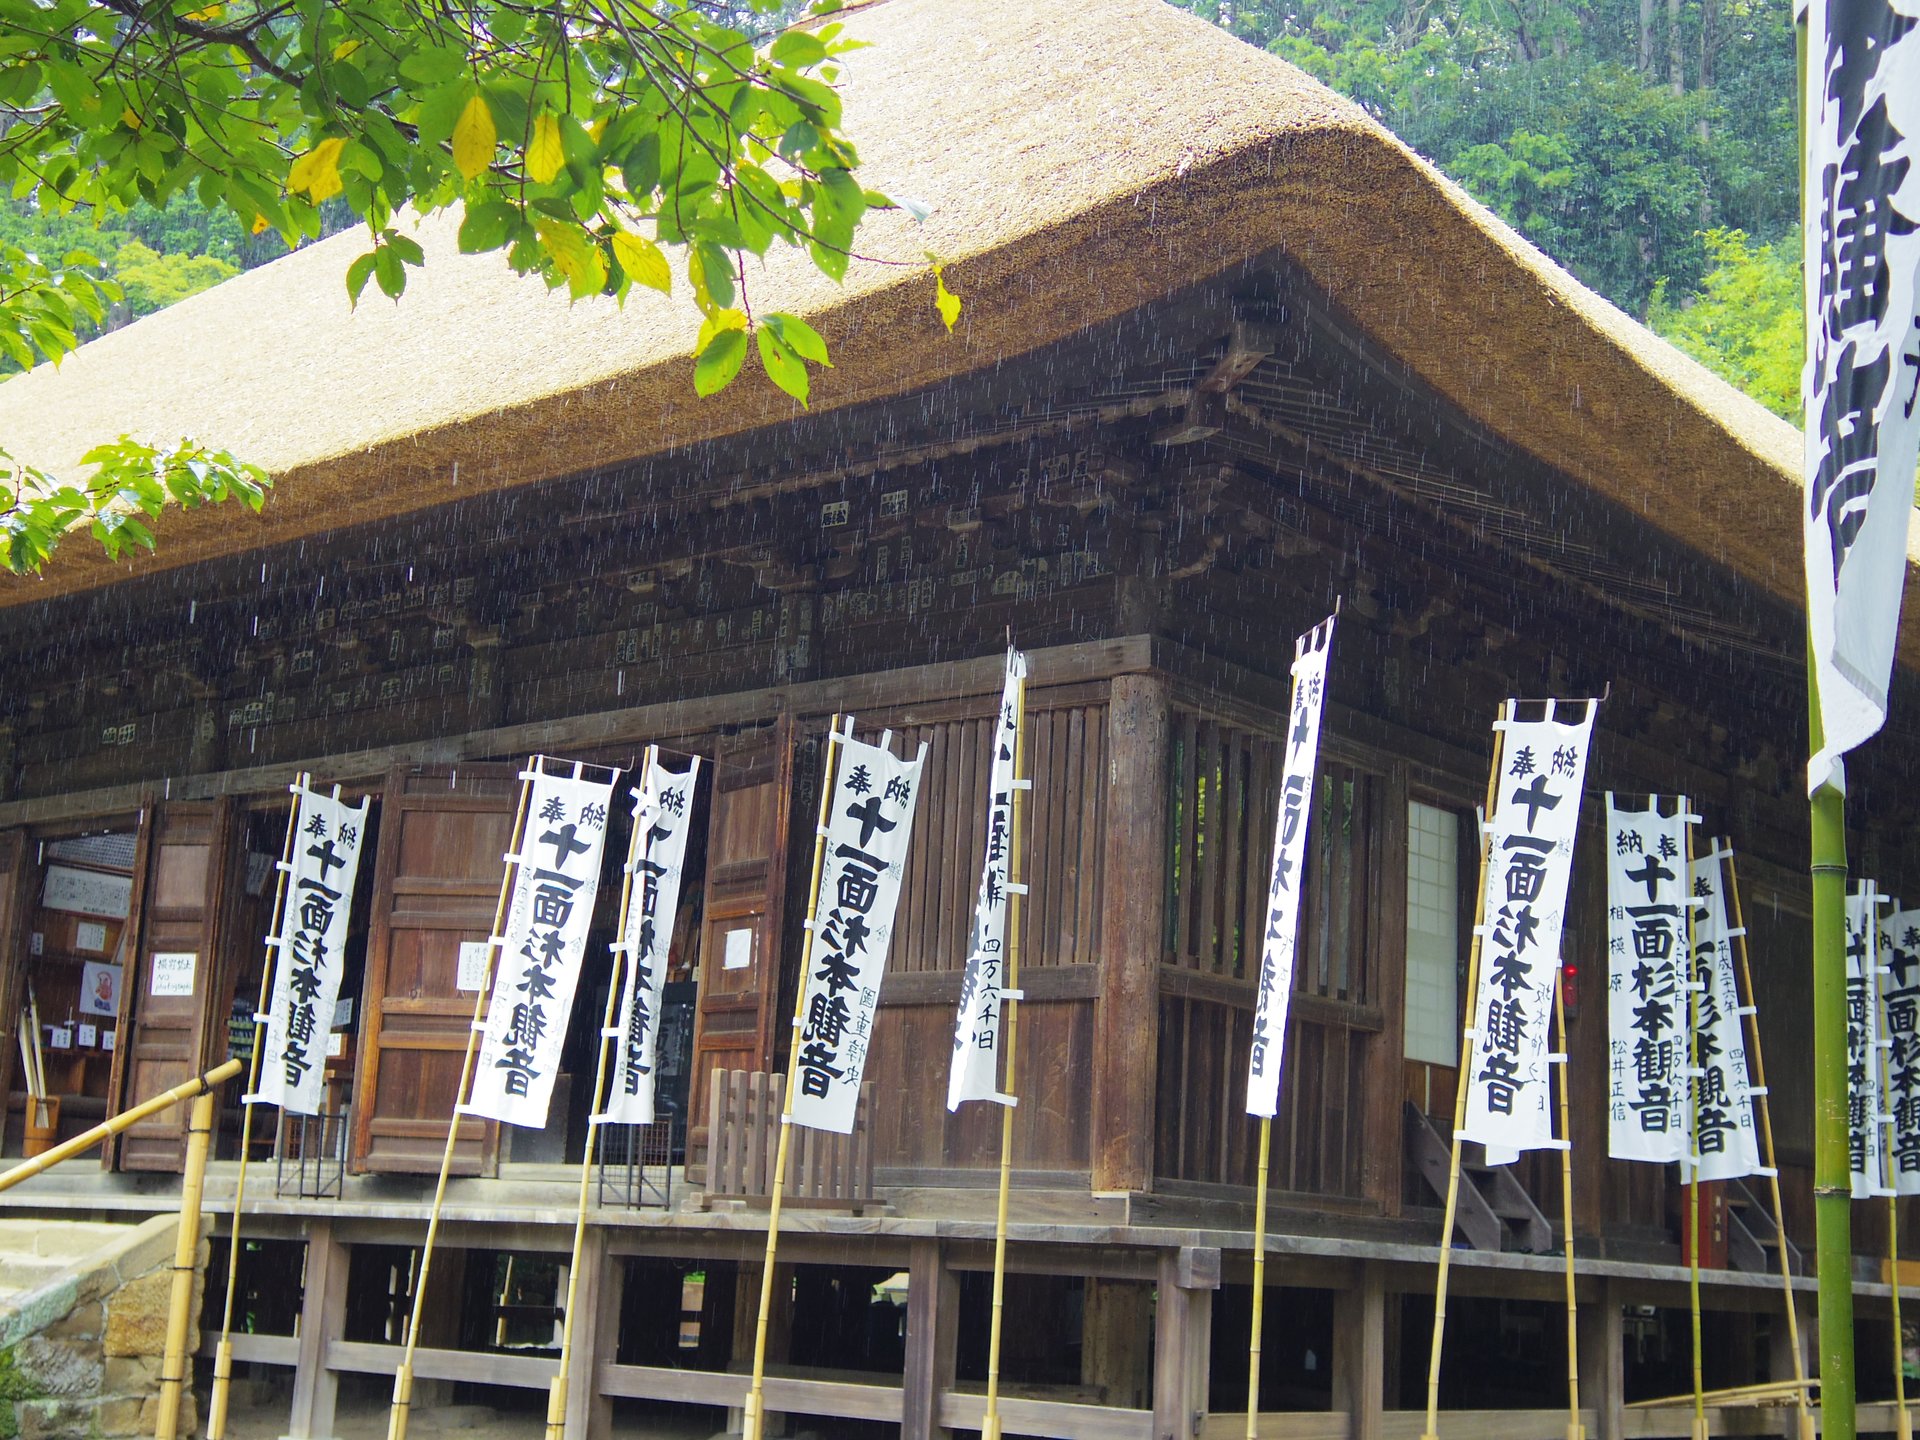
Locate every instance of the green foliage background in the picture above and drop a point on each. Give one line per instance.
(1648, 147)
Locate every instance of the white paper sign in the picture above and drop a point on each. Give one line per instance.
(662, 820)
(87, 892)
(106, 1040)
(471, 971)
(336, 1044)
(1530, 835)
(1866, 1106)
(1646, 1001)
(1725, 1136)
(90, 935)
(59, 1037)
(172, 973)
(310, 950)
(870, 821)
(1861, 224)
(89, 1037)
(556, 876)
(100, 988)
(736, 950)
(1900, 1026)
(974, 1072)
(1286, 884)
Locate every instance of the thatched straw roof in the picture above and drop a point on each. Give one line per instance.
(1082, 159)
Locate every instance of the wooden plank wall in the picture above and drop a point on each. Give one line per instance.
(1067, 748)
(1224, 781)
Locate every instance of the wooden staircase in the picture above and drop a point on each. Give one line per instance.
(1494, 1211)
(1751, 1234)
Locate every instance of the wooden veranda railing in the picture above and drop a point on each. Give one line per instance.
(825, 1171)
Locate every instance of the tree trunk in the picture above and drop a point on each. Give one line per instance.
(1676, 56)
(1646, 37)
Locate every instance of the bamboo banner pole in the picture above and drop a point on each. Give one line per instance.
(1802, 1400)
(223, 1355)
(186, 1253)
(752, 1426)
(1460, 1092)
(1575, 1430)
(557, 1396)
(1016, 893)
(403, 1377)
(1259, 1279)
(1692, 1165)
(1827, 866)
(126, 1119)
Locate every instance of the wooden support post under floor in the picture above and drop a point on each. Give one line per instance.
(1359, 1353)
(596, 1335)
(1183, 1337)
(323, 1320)
(933, 1325)
(1603, 1362)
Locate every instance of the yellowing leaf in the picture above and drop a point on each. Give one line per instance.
(346, 48)
(718, 323)
(260, 223)
(130, 120)
(643, 261)
(316, 174)
(575, 256)
(944, 299)
(474, 138)
(545, 156)
(205, 13)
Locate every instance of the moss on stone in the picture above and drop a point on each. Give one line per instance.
(14, 1387)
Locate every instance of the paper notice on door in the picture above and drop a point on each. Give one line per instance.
(473, 965)
(173, 972)
(738, 954)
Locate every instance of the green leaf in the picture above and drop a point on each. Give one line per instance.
(799, 337)
(486, 226)
(430, 67)
(798, 47)
(358, 273)
(783, 367)
(716, 366)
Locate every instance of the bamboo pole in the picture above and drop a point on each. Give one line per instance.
(1259, 1280)
(1016, 892)
(403, 1377)
(1802, 1405)
(146, 1109)
(752, 1426)
(1694, 987)
(1460, 1093)
(1575, 1430)
(223, 1355)
(186, 1255)
(557, 1396)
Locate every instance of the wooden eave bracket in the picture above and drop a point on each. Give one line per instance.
(1247, 344)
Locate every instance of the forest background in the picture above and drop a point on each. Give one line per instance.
(1646, 145)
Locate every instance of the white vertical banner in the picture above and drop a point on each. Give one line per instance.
(870, 820)
(556, 877)
(1646, 976)
(974, 1073)
(1726, 1139)
(1310, 654)
(1866, 1104)
(310, 949)
(1530, 835)
(662, 817)
(1862, 275)
(1900, 1026)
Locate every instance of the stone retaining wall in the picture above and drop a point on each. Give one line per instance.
(80, 1356)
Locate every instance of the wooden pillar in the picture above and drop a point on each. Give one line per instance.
(1116, 1336)
(1383, 1144)
(1183, 1335)
(1132, 934)
(933, 1326)
(1603, 1362)
(1360, 1353)
(596, 1338)
(323, 1320)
